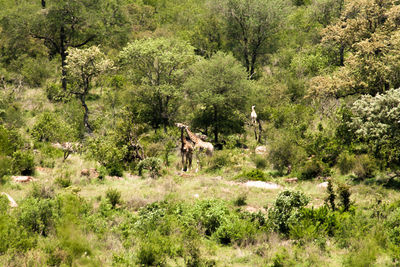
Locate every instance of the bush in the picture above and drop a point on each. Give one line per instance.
(346, 162)
(220, 159)
(240, 200)
(154, 249)
(41, 191)
(63, 181)
(234, 229)
(313, 168)
(284, 153)
(344, 196)
(23, 162)
(365, 166)
(286, 210)
(254, 175)
(12, 235)
(56, 93)
(260, 162)
(153, 165)
(37, 215)
(5, 167)
(51, 128)
(113, 196)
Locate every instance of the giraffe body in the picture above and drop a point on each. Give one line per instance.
(199, 146)
(186, 150)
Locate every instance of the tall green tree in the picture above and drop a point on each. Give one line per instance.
(157, 67)
(84, 65)
(251, 25)
(218, 90)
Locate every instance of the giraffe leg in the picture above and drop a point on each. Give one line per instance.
(198, 161)
(183, 161)
(189, 158)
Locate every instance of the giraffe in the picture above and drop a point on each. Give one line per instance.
(253, 115)
(186, 150)
(199, 146)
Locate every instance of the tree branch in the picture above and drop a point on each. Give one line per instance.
(85, 42)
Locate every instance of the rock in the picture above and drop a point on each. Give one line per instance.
(264, 185)
(323, 185)
(23, 179)
(12, 204)
(261, 150)
(291, 180)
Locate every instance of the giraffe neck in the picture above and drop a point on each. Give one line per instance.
(192, 136)
(182, 138)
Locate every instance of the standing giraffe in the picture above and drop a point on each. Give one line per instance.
(186, 149)
(199, 146)
(253, 115)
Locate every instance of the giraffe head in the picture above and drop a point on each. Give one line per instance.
(181, 125)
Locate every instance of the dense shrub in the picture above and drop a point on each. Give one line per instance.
(5, 167)
(23, 162)
(56, 93)
(254, 175)
(313, 223)
(10, 141)
(313, 168)
(220, 159)
(286, 210)
(12, 235)
(365, 166)
(113, 196)
(344, 196)
(260, 162)
(38, 215)
(346, 162)
(152, 164)
(51, 128)
(284, 153)
(41, 191)
(63, 181)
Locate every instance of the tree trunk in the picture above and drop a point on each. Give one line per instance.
(63, 53)
(341, 55)
(86, 114)
(216, 125)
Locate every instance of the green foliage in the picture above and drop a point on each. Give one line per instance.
(158, 67)
(330, 200)
(152, 164)
(346, 162)
(312, 169)
(286, 210)
(364, 167)
(240, 200)
(23, 162)
(314, 223)
(38, 215)
(51, 128)
(284, 153)
(113, 196)
(56, 93)
(344, 196)
(375, 121)
(63, 181)
(212, 84)
(260, 162)
(220, 159)
(41, 191)
(5, 167)
(12, 235)
(254, 175)
(10, 141)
